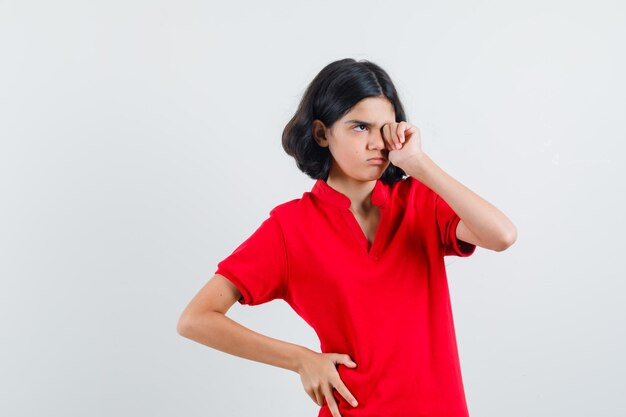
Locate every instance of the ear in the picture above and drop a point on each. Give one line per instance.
(319, 133)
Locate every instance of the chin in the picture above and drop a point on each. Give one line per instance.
(372, 177)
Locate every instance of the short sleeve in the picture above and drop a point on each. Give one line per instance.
(447, 221)
(258, 266)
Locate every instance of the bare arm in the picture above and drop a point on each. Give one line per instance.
(481, 222)
(205, 321)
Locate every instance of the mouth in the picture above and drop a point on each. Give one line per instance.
(377, 158)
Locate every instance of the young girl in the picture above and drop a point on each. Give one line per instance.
(359, 258)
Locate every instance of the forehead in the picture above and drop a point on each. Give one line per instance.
(372, 109)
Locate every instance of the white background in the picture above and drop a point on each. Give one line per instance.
(140, 144)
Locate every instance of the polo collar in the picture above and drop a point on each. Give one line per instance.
(326, 193)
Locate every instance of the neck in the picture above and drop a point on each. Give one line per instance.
(359, 192)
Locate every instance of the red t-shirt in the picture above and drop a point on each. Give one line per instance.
(387, 306)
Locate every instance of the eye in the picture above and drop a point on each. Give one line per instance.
(360, 126)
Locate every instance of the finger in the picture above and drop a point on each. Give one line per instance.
(319, 397)
(347, 360)
(396, 136)
(314, 396)
(412, 129)
(389, 136)
(384, 135)
(345, 393)
(402, 128)
(330, 400)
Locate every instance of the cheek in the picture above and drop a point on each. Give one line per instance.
(351, 154)
(349, 149)
(344, 157)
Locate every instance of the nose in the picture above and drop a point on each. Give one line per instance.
(376, 141)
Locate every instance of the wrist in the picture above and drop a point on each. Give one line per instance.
(418, 166)
(300, 353)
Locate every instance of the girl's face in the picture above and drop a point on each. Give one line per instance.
(357, 137)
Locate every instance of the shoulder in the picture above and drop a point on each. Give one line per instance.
(285, 208)
(411, 189)
(285, 213)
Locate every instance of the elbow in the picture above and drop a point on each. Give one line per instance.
(190, 324)
(507, 239)
(184, 326)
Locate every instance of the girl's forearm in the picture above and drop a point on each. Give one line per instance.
(490, 225)
(220, 332)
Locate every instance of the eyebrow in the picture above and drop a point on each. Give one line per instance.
(362, 122)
